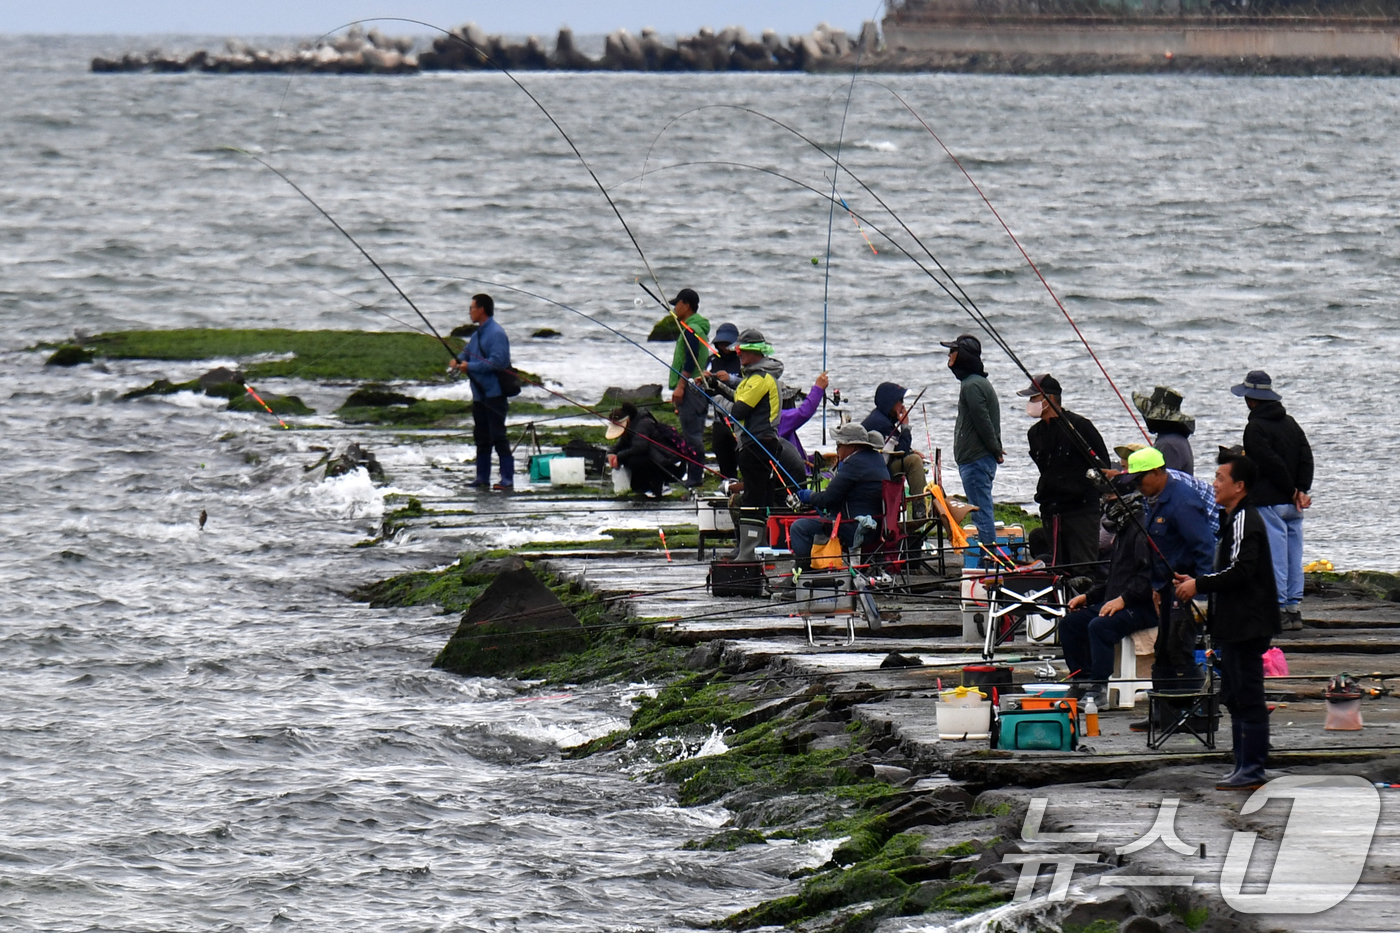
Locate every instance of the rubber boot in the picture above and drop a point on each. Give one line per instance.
(1237, 745)
(1254, 754)
(735, 519)
(483, 468)
(751, 535)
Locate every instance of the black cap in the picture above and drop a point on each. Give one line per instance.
(689, 297)
(1048, 384)
(966, 343)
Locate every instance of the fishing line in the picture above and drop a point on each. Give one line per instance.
(1132, 413)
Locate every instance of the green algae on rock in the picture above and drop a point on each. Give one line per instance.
(378, 356)
(69, 354)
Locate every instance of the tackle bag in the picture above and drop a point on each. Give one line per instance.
(827, 554)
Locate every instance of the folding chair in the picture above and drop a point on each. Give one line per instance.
(1014, 601)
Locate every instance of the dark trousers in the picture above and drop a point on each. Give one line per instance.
(1242, 679)
(649, 476)
(1091, 640)
(756, 470)
(725, 447)
(1074, 539)
(692, 411)
(490, 431)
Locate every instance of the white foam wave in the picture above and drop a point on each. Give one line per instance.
(882, 145)
(352, 495)
(513, 539)
(714, 745)
(195, 400)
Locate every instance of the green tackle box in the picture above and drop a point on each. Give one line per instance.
(1050, 730)
(539, 466)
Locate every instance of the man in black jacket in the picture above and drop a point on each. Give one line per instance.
(1280, 450)
(1065, 446)
(1244, 617)
(1103, 617)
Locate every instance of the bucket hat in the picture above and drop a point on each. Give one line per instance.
(727, 334)
(852, 434)
(1257, 385)
(1163, 406)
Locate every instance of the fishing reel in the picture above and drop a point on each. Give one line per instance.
(836, 397)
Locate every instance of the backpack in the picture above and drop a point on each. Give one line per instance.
(673, 444)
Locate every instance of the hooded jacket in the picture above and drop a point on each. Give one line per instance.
(1243, 594)
(887, 395)
(758, 402)
(1064, 484)
(977, 432)
(691, 354)
(1273, 440)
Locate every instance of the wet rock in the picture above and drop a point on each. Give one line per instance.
(515, 623)
(1098, 913)
(705, 656)
(546, 333)
(374, 395)
(762, 712)
(465, 330)
(642, 393)
(349, 457)
(221, 381)
(69, 355)
(665, 330)
(924, 811)
(894, 659)
(566, 55)
(1139, 924)
(495, 565)
(890, 774)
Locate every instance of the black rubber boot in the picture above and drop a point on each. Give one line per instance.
(1254, 742)
(1237, 745)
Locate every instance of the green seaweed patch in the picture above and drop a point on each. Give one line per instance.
(1194, 917)
(420, 412)
(664, 330)
(319, 354)
(1012, 514)
(280, 404)
(237, 394)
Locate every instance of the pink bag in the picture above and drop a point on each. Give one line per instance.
(1275, 664)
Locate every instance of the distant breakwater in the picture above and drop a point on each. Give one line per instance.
(469, 48)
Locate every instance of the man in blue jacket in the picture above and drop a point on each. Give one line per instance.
(856, 489)
(891, 419)
(1179, 532)
(485, 356)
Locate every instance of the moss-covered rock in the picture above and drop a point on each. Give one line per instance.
(414, 412)
(517, 621)
(69, 354)
(280, 404)
(665, 330)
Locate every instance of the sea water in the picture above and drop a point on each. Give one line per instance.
(204, 730)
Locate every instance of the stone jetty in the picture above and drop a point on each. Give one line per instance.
(470, 48)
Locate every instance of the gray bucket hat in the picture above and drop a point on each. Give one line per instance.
(853, 435)
(1163, 406)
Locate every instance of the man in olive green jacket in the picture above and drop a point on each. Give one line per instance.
(692, 353)
(977, 433)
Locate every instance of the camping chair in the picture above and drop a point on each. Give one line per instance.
(1031, 601)
(898, 544)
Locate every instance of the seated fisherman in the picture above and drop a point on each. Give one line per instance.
(651, 461)
(891, 419)
(1116, 608)
(855, 490)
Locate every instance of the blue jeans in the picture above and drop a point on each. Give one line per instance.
(1091, 640)
(977, 479)
(1285, 524)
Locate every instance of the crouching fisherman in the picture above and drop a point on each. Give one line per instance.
(642, 449)
(1244, 617)
(856, 490)
(1118, 607)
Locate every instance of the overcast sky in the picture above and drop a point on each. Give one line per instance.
(312, 17)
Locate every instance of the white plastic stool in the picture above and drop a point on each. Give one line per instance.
(1123, 689)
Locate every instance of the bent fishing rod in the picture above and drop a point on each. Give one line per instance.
(1016, 240)
(1076, 438)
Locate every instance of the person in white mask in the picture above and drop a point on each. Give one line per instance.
(1065, 447)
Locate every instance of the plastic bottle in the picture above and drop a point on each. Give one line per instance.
(1091, 718)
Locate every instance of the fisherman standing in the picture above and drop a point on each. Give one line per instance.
(724, 362)
(1162, 412)
(756, 412)
(977, 433)
(688, 362)
(1065, 447)
(891, 419)
(1244, 616)
(486, 355)
(1280, 451)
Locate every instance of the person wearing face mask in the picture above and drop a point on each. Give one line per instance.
(1065, 447)
(1122, 604)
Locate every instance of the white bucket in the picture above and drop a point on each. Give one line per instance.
(622, 479)
(566, 471)
(964, 722)
(713, 515)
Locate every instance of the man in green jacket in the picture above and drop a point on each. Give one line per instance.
(977, 433)
(688, 362)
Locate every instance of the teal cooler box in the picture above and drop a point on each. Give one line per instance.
(539, 466)
(1047, 730)
(973, 602)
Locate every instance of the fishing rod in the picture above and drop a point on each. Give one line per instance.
(1084, 448)
(1132, 413)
